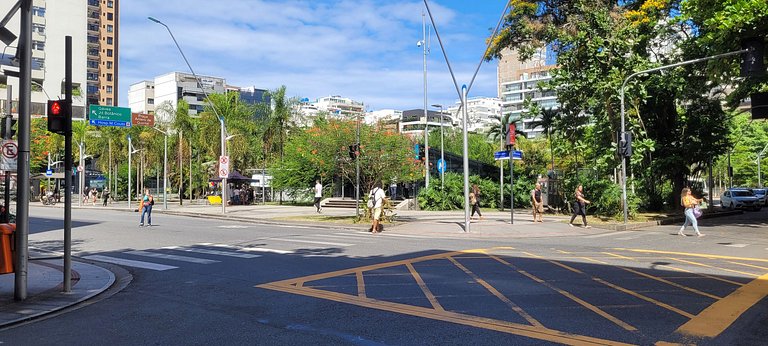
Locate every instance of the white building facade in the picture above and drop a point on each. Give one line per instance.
(480, 113)
(150, 96)
(340, 106)
(515, 93)
(374, 117)
(51, 22)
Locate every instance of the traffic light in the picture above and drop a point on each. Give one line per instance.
(8, 130)
(58, 113)
(752, 63)
(354, 151)
(625, 145)
(511, 131)
(759, 103)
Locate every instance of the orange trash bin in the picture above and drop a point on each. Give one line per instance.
(7, 247)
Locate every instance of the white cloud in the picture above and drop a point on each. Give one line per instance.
(361, 49)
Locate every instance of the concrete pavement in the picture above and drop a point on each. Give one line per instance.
(45, 276)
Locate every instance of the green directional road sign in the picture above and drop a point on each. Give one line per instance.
(109, 116)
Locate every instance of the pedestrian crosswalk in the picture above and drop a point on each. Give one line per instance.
(174, 257)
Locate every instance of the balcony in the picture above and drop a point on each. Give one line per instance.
(38, 20)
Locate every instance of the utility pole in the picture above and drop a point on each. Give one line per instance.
(22, 173)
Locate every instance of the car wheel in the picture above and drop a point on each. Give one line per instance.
(730, 207)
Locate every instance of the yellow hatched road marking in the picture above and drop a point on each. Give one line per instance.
(619, 256)
(748, 265)
(496, 293)
(713, 267)
(431, 297)
(689, 289)
(695, 255)
(535, 332)
(360, 284)
(717, 317)
(570, 296)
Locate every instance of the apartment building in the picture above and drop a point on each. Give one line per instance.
(481, 113)
(102, 34)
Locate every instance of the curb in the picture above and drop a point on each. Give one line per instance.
(665, 221)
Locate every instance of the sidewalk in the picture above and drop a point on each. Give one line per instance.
(44, 289)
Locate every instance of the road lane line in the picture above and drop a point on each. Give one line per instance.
(263, 249)
(130, 263)
(310, 242)
(568, 295)
(717, 317)
(695, 255)
(713, 267)
(748, 265)
(608, 234)
(212, 252)
(619, 256)
(539, 333)
(360, 284)
(431, 297)
(171, 257)
(496, 293)
(680, 270)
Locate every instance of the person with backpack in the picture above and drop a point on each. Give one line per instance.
(146, 208)
(375, 203)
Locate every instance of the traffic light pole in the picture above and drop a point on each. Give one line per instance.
(623, 128)
(22, 171)
(68, 166)
(7, 213)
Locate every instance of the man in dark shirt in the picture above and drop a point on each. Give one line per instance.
(537, 203)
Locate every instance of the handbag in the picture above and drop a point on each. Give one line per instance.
(697, 212)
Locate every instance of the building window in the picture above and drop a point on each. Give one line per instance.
(38, 11)
(109, 89)
(92, 89)
(150, 101)
(109, 101)
(93, 76)
(93, 52)
(110, 16)
(109, 53)
(109, 64)
(110, 3)
(109, 77)
(40, 29)
(110, 27)
(37, 45)
(109, 40)
(93, 64)
(93, 2)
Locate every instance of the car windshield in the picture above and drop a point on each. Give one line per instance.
(759, 191)
(742, 193)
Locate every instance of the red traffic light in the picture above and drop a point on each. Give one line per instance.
(55, 108)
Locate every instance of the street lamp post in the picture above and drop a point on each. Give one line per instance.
(425, 48)
(165, 167)
(213, 107)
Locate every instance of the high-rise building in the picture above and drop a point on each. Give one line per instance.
(166, 90)
(93, 26)
(519, 81)
(340, 106)
(103, 25)
(480, 113)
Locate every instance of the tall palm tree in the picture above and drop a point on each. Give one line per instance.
(547, 120)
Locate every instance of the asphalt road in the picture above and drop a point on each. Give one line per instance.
(199, 281)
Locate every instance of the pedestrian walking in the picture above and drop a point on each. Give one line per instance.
(580, 207)
(94, 196)
(376, 203)
(474, 200)
(147, 201)
(318, 195)
(105, 196)
(690, 203)
(537, 203)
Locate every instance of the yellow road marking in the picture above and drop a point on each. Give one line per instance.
(570, 296)
(713, 267)
(704, 275)
(619, 256)
(696, 255)
(643, 297)
(532, 255)
(535, 332)
(431, 297)
(592, 260)
(689, 289)
(748, 265)
(627, 291)
(360, 284)
(717, 317)
(496, 293)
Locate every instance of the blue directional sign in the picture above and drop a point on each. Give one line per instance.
(441, 166)
(504, 155)
(49, 173)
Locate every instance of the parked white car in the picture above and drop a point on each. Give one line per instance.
(762, 196)
(740, 199)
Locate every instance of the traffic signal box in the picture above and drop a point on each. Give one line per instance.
(58, 113)
(7, 127)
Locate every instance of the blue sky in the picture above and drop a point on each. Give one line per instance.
(362, 49)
